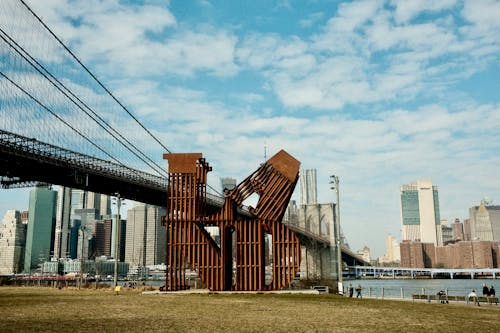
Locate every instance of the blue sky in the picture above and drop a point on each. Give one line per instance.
(381, 93)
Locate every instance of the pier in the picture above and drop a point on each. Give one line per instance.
(376, 272)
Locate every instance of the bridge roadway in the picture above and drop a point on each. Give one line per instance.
(348, 256)
(27, 160)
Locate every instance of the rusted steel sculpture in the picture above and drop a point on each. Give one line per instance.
(190, 243)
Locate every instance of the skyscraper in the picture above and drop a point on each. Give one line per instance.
(41, 225)
(145, 243)
(122, 237)
(12, 241)
(86, 242)
(485, 222)
(392, 253)
(63, 222)
(83, 205)
(420, 212)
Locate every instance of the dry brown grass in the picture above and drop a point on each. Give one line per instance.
(29, 309)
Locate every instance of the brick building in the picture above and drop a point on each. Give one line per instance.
(466, 254)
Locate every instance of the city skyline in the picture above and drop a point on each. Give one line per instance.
(379, 93)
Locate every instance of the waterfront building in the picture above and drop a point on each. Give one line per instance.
(457, 230)
(485, 222)
(41, 225)
(392, 254)
(420, 212)
(464, 254)
(365, 253)
(417, 254)
(467, 230)
(445, 234)
(145, 242)
(308, 187)
(12, 242)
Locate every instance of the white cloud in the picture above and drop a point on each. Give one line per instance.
(140, 40)
(269, 51)
(351, 16)
(482, 13)
(311, 19)
(363, 56)
(409, 9)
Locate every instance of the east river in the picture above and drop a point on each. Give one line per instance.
(404, 288)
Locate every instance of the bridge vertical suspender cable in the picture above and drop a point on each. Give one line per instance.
(59, 118)
(31, 61)
(94, 77)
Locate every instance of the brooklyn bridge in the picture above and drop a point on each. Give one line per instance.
(60, 124)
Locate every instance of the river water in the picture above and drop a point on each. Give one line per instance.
(389, 288)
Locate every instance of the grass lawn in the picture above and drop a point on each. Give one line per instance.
(32, 309)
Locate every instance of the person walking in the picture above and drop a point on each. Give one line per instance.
(358, 291)
(351, 290)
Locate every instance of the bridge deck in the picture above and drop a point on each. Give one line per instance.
(25, 159)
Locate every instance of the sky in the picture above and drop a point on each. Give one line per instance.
(379, 93)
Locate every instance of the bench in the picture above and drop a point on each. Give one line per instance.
(321, 289)
(487, 299)
(431, 297)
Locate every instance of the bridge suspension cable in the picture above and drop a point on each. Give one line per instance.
(42, 70)
(58, 117)
(94, 77)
